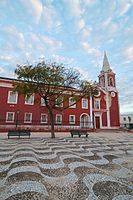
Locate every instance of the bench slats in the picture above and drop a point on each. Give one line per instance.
(79, 133)
(19, 133)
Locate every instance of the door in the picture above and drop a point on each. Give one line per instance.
(97, 122)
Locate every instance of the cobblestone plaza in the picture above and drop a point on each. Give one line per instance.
(99, 167)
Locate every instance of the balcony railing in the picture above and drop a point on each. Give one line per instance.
(38, 125)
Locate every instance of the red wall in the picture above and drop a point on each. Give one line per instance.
(114, 112)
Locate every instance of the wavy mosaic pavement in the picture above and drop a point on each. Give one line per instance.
(64, 169)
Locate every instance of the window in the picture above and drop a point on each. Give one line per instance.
(111, 81)
(129, 119)
(10, 117)
(71, 102)
(85, 103)
(12, 97)
(58, 119)
(72, 119)
(29, 100)
(102, 82)
(28, 118)
(124, 118)
(59, 102)
(97, 103)
(42, 102)
(44, 118)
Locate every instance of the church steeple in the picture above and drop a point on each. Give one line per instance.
(106, 65)
(107, 76)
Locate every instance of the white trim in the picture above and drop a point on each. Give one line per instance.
(70, 103)
(108, 110)
(106, 81)
(60, 118)
(42, 102)
(71, 122)
(44, 122)
(88, 119)
(7, 117)
(8, 85)
(26, 103)
(9, 95)
(98, 100)
(25, 118)
(110, 128)
(61, 104)
(84, 107)
(91, 115)
(98, 115)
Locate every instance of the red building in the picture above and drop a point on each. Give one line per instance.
(100, 111)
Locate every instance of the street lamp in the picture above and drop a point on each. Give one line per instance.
(17, 113)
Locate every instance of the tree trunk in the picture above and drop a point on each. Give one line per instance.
(51, 115)
(52, 123)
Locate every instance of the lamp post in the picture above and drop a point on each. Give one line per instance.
(17, 113)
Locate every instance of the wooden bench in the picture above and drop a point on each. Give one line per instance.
(19, 133)
(79, 133)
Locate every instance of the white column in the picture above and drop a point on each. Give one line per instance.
(108, 110)
(106, 81)
(91, 116)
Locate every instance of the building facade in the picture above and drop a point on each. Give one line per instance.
(126, 121)
(100, 111)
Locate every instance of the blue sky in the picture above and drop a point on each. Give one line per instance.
(74, 32)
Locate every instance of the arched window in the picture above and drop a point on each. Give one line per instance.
(111, 81)
(102, 82)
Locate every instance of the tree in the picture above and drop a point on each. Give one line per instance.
(51, 81)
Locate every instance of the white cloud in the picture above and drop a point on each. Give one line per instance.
(34, 8)
(51, 42)
(84, 73)
(50, 17)
(62, 59)
(128, 53)
(110, 25)
(88, 2)
(90, 50)
(124, 6)
(126, 108)
(107, 21)
(81, 24)
(74, 7)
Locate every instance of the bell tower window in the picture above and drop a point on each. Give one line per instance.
(102, 82)
(111, 81)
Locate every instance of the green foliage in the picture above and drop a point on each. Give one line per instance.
(88, 88)
(52, 81)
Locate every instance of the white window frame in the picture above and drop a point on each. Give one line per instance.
(70, 103)
(44, 122)
(7, 117)
(61, 105)
(71, 122)
(86, 104)
(42, 102)
(9, 95)
(58, 115)
(28, 103)
(96, 100)
(30, 118)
